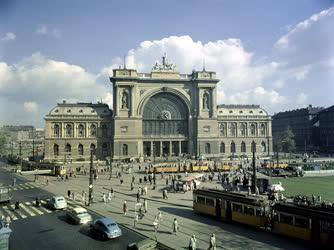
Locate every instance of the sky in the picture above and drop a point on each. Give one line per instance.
(278, 54)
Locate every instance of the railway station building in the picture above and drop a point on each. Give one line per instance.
(157, 115)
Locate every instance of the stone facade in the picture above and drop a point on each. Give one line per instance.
(326, 120)
(165, 113)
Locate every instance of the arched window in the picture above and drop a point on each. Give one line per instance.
(243, 147)
(104, 149)
(93, 130)
(80, 149)
(232, 147)
(243, 129)
(125, 149)
(81, 130)
(56, 130)
(68, 148)
(55, 150)
(233, 129)
(253, 129)
(222, 129)
(263, 147)
(207, 148)
(104, 130)
(222, 147)
(253, 147)
(93, 148)
(69, 130)
(206, 101)
(263, 129)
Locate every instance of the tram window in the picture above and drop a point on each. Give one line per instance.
(237, 208)
(288, 219)
(324, 226)
(302, 222)
(200, 200)
(210, 202)
(249, 210)
(259, 211)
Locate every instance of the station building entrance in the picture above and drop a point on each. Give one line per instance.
(165, 126)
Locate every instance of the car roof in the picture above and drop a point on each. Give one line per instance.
(79, 209)
(106, 220)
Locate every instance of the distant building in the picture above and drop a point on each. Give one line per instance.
(326, 120)
(157, 115)
(304, 124)
(19, 133)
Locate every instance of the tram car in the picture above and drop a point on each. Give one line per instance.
(306, 222)
(164, 168)
(232, 206)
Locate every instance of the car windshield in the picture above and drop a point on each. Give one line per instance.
(81, 214)
(112, 224)
(60, 199)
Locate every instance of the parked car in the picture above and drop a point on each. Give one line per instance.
(106, 228)
(57, 202)
(79, 215)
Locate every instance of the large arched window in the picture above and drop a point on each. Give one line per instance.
(263, 129)
(69, 130)
(232, 147)
(253, 146)
(242, 129)
(253, 129)
(222, 147)
(263, 147)
(81, 130)
(232, 129)
(125, 149)
(56, 130)
(243, 147)
(93, 148)
(207, 148)
(55, 150)
(68, 148)
(93, 130)
(222, 129)
(80, 149)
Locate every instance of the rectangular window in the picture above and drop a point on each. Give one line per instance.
(210, 202)
(302, 222)
(237, 208)
(249, 210)
(200, 200)
(288, 219)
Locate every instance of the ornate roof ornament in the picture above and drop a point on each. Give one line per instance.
(165, 66)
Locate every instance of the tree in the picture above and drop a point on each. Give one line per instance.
(284, 141)
(3, 142)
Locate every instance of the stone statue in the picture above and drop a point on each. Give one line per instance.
(205, 101)
(125, 101)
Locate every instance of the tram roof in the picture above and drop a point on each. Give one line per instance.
(233, 196)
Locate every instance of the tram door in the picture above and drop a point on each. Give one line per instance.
(315, 232)
(228, 211)
(218, 208)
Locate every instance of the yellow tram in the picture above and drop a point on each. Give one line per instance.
(232, 206)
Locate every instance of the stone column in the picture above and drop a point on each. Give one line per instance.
(132, 93)
(152, 149)
(180, 148)
(117, 100)
(160, 148)
(170, 148)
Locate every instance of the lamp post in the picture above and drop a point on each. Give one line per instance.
(91, 170)
(254, 173)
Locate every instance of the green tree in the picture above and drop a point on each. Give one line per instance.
(3, 142)
(284, 141)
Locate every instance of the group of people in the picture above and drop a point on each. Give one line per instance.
(212, 242)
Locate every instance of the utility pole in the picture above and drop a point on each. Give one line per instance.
(11, 148)
(254, 174)
(20, 149)
(91, 170)
(33, 149)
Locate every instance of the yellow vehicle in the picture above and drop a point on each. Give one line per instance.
(164, 168)
(42, 168)
(199, 168)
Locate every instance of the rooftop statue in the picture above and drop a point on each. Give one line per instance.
(164, 66)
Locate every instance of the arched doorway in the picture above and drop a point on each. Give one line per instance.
(165, 126)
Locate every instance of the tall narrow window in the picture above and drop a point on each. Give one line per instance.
(243, 147)
(222, 147)
(68, 148)
(263, 147)
(125, 149)
(253, 147)
(81, 130)
(80, 149)
(93, 148)
(263, 129)
(55, 150)
(253, 129)
(243, 129)
(104, 130)
(93, 130)
(222, 129)
(233, 129)
(207, 148)
(232, 147)
(56, 130)
(104, 149)
(69, 130)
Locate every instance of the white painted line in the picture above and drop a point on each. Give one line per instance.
(27, 210)
(25, 186)
(9, 212)
(43, 208)
(14, 189)
(34, 208)
(30, 185)
(17, 211)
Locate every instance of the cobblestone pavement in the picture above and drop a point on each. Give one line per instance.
(178, 205)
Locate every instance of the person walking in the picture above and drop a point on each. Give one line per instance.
(109, 196)
(175, 226)
(73, 196)
(145, 205)
(213, 245)
(69, 193)
(104, 198)
(138, 196)
(192, 242)
(135, 220)
(156, 224)
(159, 216)
(125, 208)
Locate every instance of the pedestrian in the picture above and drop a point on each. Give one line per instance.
(7, 221)
(83, 196)
(135, 220)
(192, 242)
(156, 224)
(73, 196)
(121, 181)
(175, 226)
(125, 208)
(47, 181)
(104, 198)
(212, 245)
(145, 190)
(145, 205)
(138, 196)
(167, 182)
(159, 216)
(14, 181)
(68, 193)
(133, 178)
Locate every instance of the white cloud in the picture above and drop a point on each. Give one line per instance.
(9, 36)
(43, 29)
(31, 107)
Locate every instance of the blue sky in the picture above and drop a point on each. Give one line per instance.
(259, 48)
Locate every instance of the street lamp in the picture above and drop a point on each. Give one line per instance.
(90, 186)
